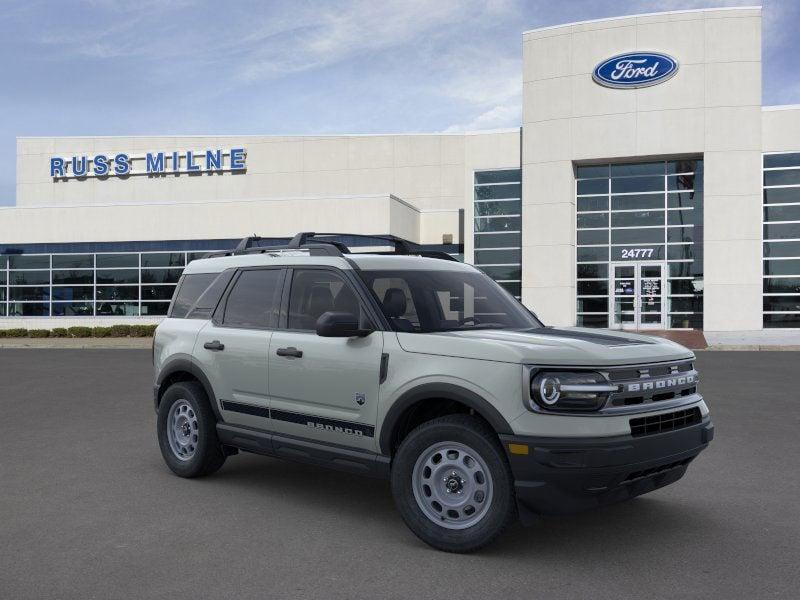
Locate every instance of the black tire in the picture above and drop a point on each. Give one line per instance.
(208, 455)
(477, 435)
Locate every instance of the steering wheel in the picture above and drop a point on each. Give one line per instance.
(465, 320)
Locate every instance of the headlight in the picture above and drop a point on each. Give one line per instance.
(570, 390)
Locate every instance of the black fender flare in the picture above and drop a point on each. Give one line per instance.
(184, 363)
(447, 391)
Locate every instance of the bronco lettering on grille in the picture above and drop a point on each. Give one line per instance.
(659, 384)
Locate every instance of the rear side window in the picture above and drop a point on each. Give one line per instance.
(189, 291)
(205, 305)
(254, 301)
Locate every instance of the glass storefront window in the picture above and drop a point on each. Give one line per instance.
(73, 309)
(498, 240)
(655, 213)
(29, 261)
(161, 275)
(495, 208)
(154, 309)
(117, 276)
(496, 226)
(28, 309)
(163, 259)
(65, 277)
(29, 293)
(781, 248)
(73, 261)
(498, 257)
(636, 184)
(29, 277)
(497, 192)
(104, 284)
(110, 261)
(117, 309)
(119, 292)
(157, 292)
(84, 292)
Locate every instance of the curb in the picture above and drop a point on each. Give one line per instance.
(752, 348)
(78, 343)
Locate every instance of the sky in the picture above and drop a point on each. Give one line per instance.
(161, 67)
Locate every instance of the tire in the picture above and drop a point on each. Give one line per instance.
(471, 477)
(190, 446)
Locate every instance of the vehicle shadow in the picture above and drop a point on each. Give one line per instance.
(622, 529)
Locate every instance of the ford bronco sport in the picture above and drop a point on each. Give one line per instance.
(412, 366)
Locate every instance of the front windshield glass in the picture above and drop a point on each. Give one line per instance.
(432, 301)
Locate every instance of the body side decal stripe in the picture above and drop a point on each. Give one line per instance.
(346, 427)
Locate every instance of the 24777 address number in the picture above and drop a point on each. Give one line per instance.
(637, 253)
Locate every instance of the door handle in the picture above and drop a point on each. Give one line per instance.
(216, 345)
(290, 351)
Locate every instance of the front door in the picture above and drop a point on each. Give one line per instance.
(324, 388)
(636, 299)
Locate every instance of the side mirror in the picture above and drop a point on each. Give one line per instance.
(340, 324)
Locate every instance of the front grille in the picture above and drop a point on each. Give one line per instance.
(653, 424)
(625, 373)
(652, 383)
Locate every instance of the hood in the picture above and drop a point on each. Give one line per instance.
(578, 346)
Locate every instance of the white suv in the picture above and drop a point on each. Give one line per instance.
(410, 365)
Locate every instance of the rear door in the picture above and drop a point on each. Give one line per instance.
(325, 389)
(232, 348)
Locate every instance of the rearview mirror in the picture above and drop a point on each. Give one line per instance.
(340, 324)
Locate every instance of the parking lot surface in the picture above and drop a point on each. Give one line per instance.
(88, 509)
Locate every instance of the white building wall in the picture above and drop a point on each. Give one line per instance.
(781, 128)
(219, 219)
(432, 174)
(712, 107)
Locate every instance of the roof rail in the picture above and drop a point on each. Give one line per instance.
(315, 244)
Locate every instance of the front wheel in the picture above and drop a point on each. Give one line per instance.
(187, 433)
(452, 484)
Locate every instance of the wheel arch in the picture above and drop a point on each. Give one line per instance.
(411, 400)
(183, 369)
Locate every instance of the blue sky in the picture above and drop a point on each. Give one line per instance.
(153, 67)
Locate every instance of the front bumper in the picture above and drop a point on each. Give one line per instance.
(559, 476)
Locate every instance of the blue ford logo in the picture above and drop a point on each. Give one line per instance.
(635, 70)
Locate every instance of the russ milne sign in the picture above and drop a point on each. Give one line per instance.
(635, 70)
(151, 163)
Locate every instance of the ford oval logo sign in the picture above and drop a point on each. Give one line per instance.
(635, 70)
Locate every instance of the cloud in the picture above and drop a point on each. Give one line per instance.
(497, 117)
(331, 35)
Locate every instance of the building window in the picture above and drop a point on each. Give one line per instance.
(781, 246)
(640, 245)
(118, 284)
(497, 226)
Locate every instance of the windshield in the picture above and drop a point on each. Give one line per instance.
(432, 301)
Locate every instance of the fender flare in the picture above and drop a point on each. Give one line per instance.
(447, 391)
(185, 364)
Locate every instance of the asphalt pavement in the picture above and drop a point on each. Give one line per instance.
(88, 509)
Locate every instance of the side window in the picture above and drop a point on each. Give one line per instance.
(398, 304)
(254, 300)
(189, 291)
(315, 292)
(205, 305)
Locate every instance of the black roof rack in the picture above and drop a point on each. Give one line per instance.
(317, 245)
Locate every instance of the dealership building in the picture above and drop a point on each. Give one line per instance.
(646, 188)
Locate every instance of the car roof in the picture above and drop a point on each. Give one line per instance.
(367, 262)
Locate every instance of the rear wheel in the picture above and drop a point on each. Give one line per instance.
(187, 433)
(452, 484)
